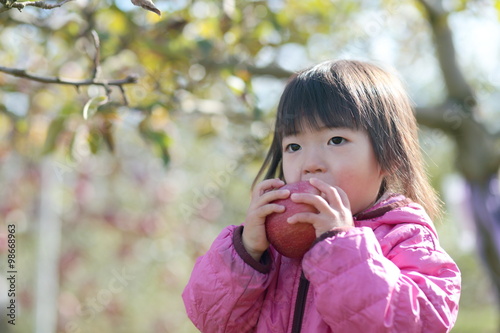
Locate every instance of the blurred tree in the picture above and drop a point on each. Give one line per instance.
(478, 149)
(75, 75)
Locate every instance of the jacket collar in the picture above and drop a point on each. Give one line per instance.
(394, 209)
(386, 203)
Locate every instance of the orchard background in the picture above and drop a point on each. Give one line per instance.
(129, 139)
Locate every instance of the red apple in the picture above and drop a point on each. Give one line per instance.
(291, 240)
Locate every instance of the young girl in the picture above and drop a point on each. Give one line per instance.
(347, 127)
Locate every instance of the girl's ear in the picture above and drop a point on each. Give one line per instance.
(382, 172)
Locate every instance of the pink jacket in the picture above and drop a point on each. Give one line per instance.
(389, 274)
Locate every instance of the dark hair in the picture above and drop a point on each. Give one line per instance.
(361, 96)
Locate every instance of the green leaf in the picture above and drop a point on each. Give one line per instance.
(94, 140)
(92, 104)
(160, 140)
(55, 128)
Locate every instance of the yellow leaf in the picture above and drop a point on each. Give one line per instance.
(5, 125)
(208, 29)
(153, 17)
(114, 21)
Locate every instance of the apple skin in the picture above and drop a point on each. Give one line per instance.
(291, 240)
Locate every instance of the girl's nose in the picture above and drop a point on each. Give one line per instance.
(314, 164)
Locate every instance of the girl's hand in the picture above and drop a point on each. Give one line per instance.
(254, 233)
(333, 208)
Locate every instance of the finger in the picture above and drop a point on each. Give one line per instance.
(319, 184)
(266, 210)
(314, 200)
(343, 197)
(327, 191)
(308, 217)
(267, 185)
(274, 195)
(335, 196)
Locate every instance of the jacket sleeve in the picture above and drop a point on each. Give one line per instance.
(407, 285)
(227, 286)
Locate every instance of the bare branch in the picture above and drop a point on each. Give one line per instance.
(125, 100)
(97, 56)
(44, 5)
(77, 83)
(39, 4)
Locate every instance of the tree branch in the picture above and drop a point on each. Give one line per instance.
(457, 86)
(447, 116)
(77, 83)
(7, 5)
(432, 117)
(273, 69)
(97, 57)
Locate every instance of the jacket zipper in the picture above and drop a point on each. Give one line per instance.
(300, 304)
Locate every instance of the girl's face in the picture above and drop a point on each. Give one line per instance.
(338, 156)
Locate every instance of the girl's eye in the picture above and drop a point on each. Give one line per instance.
(292, 147)
(336, 140)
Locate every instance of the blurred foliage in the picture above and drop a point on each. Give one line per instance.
(146, 178)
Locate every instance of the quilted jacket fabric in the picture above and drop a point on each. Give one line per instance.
(389, 274)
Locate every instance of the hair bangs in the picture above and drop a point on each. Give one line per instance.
(310, 103)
